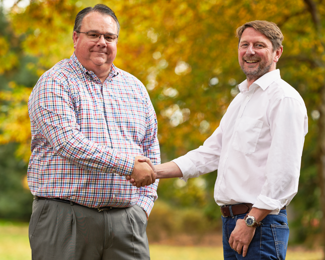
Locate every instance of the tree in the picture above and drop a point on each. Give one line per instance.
(15, 198)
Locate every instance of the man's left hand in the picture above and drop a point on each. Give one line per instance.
(241, 237)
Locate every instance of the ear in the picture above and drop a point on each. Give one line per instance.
(278, 54)
(75, 38)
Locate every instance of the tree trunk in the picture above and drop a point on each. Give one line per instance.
(321, 163)
(316, 18)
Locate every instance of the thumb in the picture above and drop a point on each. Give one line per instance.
(147, 160)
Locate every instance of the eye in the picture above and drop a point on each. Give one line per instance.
(243, 45)
(109, 38)
(259, 46)
(93, 35)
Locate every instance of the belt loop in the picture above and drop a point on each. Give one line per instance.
(71, 203)
(35, 198)
(230, 211)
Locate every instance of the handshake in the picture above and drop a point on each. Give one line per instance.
(143, 173)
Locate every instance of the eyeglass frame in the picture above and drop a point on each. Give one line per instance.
(100, 35)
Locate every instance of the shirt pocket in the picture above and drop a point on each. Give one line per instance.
(246, 135)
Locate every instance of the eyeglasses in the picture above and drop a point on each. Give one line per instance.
(94, 36)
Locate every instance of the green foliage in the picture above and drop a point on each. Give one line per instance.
(15, 198)
(307, 213)
(167, 221)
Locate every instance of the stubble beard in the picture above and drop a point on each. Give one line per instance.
(256, 73)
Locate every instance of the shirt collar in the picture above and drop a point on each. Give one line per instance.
(76, 63)
(263, 82)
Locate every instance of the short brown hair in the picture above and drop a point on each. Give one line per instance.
(269, 29)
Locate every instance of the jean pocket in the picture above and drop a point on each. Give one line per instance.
(246, 135)
(281, 237)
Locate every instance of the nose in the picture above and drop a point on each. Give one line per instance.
(101, 40)
(250, 50)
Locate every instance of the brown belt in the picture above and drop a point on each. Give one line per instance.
(237, 209)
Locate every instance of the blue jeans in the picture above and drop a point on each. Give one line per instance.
(269, 242)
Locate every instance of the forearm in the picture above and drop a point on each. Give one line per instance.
(94, 157)
(168, 170)
(259, 214)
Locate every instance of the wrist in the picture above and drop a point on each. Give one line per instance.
(251, 221)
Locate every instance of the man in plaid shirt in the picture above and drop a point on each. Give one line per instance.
(90, 123)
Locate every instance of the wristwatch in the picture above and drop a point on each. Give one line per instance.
(251, 221)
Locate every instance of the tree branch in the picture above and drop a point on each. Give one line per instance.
(311, 6)
(313, 63)
(287, 17)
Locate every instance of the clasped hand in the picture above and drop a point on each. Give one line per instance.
(143, 173)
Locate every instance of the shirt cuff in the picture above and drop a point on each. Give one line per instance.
(187, 168)
(264, 202)
(124, 165)
(146, 203)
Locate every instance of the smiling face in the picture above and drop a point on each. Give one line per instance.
(255, 54)
(96, 56)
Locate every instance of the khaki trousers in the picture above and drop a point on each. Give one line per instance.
(61, 231)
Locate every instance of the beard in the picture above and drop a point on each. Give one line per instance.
(258, 72)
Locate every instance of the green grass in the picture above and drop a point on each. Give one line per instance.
(160, 252)
(14, 245)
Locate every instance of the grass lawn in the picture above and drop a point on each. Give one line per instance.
(14, 245)
(160, 252)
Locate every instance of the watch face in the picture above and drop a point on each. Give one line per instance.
(249, 221)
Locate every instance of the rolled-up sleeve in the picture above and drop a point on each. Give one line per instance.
(204, 159)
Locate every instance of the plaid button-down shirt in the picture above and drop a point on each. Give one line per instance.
(85, 135)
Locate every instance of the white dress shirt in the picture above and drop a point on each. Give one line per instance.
(257, 147)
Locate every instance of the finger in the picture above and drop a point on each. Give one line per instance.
(150, 163)
(142, 183)
(230, 241)
(245, 249)
(149, 182)
(239, 248)
(147, 160)
(128, 177)
(153, 178)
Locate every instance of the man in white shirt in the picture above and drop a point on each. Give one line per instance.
(257, 150)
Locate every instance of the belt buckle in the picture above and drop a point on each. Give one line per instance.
(100, 209)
